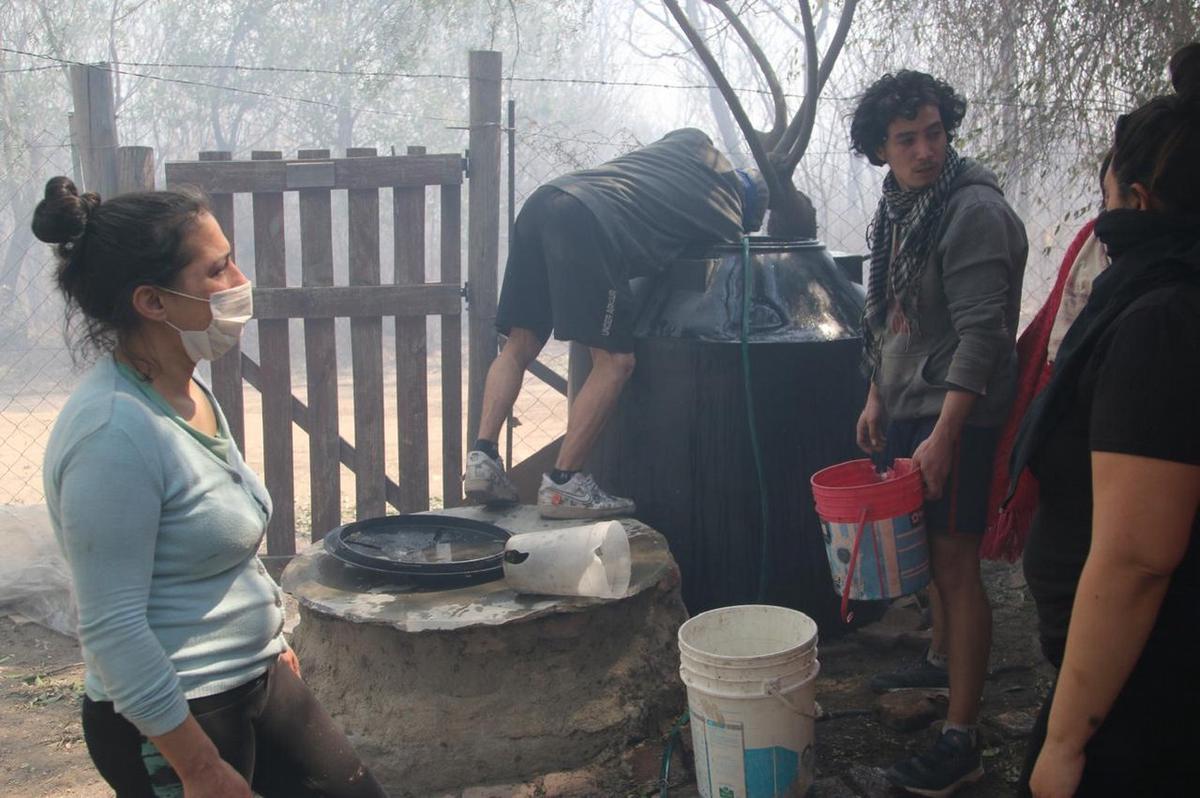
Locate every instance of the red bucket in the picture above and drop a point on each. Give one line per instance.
(874, 529)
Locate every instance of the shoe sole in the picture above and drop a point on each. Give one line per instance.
(562, 512)
(972, 777)
(480, 491)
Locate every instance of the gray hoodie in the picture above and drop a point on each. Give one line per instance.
(968, 309)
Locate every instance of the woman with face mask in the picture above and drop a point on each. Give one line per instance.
(191, 688)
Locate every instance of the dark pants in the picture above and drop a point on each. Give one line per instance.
(1145, 747)
(271, 730)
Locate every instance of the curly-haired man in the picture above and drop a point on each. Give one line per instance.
(943, 298)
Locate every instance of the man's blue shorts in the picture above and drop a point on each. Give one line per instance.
(963, 507)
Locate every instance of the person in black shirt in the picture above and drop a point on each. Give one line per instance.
(1113, 559)
(578, 241)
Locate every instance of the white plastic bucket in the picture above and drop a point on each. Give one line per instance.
(591, 560)
(750, 673)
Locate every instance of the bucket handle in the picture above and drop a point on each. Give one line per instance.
(848, 616)
(771, 688)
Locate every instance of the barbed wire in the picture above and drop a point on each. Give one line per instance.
(1088, 104)
(220, 87)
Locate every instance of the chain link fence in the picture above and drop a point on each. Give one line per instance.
(36, 373)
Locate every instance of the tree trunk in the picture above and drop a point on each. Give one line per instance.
(792, 215)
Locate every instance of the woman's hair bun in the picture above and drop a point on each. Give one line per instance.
(1185, 73)
(62, 215)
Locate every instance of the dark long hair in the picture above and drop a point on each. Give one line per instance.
(1158, 145)
(107, 249)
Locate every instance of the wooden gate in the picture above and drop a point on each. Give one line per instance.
(410, 298)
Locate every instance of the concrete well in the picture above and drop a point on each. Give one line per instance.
(440, 690)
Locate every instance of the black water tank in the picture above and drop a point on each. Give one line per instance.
(678, 443)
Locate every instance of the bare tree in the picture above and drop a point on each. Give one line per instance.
(778, 150)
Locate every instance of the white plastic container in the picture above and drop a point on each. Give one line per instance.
(750, 673)
(591, 560)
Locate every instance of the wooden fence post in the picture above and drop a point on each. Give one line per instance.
(366, 352)
(320, 354)
(483, 232)
(412, 357)
(227, 369)
(96, 125)
(135, 169)
(274, 355)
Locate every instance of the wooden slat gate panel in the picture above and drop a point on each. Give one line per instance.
(366, 301)
(366, 347)
(274, 349)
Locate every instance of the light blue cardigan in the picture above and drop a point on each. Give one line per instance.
(161, 536)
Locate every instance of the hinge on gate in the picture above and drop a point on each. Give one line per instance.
(465, 291)
(466, 162)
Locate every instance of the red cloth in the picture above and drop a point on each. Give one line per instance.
(1006, 534)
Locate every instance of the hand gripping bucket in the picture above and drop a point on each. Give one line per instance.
(750, 673)
(874, 529)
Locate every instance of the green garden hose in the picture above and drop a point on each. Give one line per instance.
(747, 288)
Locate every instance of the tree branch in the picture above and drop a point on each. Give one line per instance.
(800, 129)
(799, 132)
(779, 124)
(753, 138)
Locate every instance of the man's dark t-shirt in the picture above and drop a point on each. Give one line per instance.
(656, 200)
(1138, 395)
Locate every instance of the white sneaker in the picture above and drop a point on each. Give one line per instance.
(485, 481)
(579, 497)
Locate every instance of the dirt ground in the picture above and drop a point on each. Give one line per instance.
(42, 751)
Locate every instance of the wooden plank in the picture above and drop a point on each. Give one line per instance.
(431, 299)
(483, 233)
(357, 301)
(320, 353)
(452, 409)
(366, 347)
(95, 111)
(349, 173)
(274, 350)
(549, 376)
(227, 369)
(135, 169)
(74, 122)
(299, 416)
(412, 394)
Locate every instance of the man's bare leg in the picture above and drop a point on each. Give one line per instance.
(937, 623)
(593, 406)
(484, 480)
(567, 492)
(969, 622)
(504, 379)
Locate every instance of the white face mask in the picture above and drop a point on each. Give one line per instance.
(231, 309)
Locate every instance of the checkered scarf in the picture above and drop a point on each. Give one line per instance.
(918, 214)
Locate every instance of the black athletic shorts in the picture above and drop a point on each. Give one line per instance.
(964, 503)
(563, 276)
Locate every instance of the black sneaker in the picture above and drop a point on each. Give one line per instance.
(940, 772)
(922, 676)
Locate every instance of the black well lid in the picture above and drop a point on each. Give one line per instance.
(425, 547)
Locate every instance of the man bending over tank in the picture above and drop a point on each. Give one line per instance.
(578, 241)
